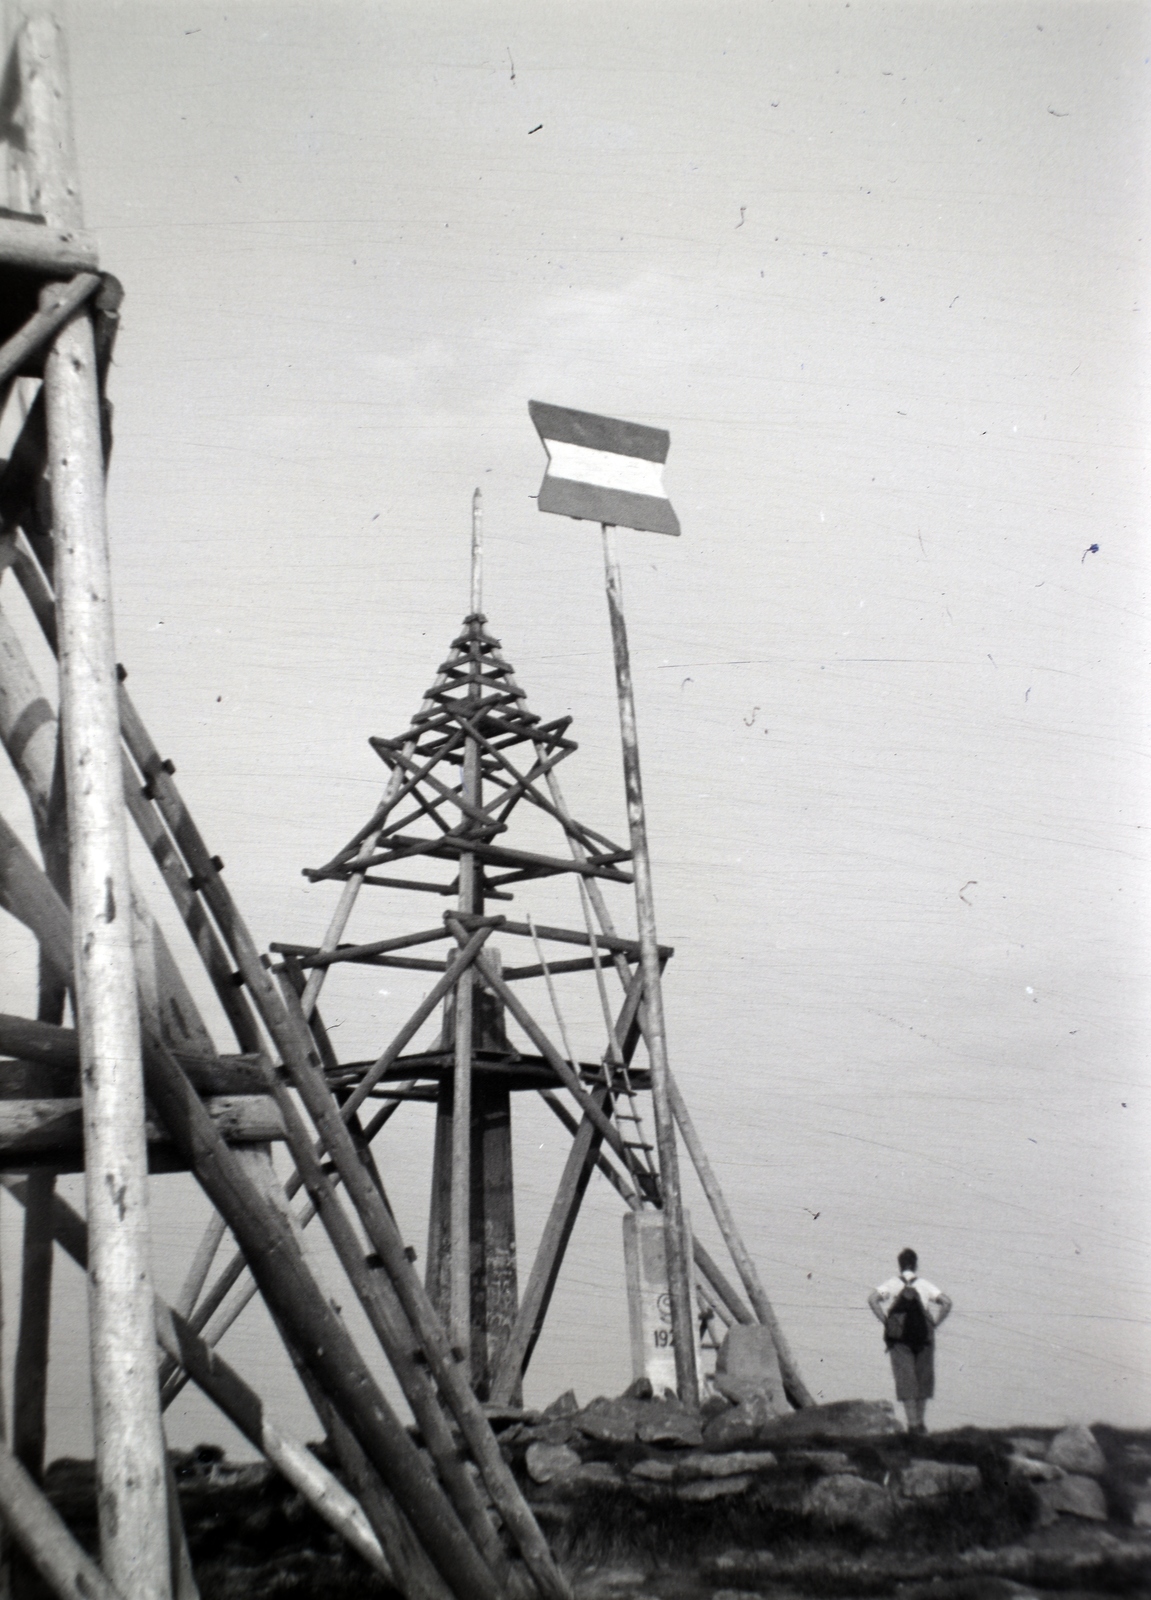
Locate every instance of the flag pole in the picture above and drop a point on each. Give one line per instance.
(678, 1268)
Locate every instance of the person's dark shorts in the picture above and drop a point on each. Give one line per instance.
(914, 1373)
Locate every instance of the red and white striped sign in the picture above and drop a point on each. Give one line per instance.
(603, 470)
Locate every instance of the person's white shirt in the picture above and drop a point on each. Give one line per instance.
(935, 1302)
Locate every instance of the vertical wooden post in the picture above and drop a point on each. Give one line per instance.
(471, 900)
(679, 1282)
(30, 1381)
(129, 1442)
(495, 1286)
(460, 1258)
(477, 553)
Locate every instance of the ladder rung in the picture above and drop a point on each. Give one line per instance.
(637, 1144)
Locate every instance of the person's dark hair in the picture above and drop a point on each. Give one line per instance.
(908, 1261)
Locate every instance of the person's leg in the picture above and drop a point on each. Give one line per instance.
(924, 1383)
(906, 1388)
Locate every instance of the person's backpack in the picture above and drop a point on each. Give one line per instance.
(907, 1322)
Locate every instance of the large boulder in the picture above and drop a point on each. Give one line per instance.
(847, 1501)
(1074, 1495)
(1034, 1471)
(738, 1425)
(1076, 1449)
(667, 1422)
(547, 1461)
(841, 1419)
(932, 1480)
(591, 1475)
(747, 1366)
(823, 1461)
(610, 1421)
(564, 1405)
(738, 1389)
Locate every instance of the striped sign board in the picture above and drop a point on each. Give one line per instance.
(603, 470)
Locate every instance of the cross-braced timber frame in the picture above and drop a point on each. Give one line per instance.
(120, 1074)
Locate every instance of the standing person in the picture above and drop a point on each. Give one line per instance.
(910, 1309)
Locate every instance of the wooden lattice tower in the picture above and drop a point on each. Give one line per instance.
(473, 759)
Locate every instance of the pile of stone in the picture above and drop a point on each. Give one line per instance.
(1065, 1474)
(744, 1441)
(655, 1448)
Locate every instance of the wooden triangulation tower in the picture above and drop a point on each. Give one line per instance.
(473, 760)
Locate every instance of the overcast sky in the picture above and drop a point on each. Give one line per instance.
(881, 270)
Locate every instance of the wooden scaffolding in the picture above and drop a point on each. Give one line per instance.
(119, 1075)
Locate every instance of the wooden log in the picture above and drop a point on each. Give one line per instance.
(495, 1285)
(460, 1232)
(797, 1390)
(309, 955)
(27, 725)
(197, 1274)
(49, 252)
(40, 1043)
(398, 1341)
(675, 1237)
(539, 970)
(36, 1127)
(30, 1381)
(57, 1049)
(128, 1438)
(40, 1531)
(388, 1320)
(605, 941)
(61, 301)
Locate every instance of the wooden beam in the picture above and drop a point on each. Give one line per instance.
(31, 1128)
(129, 1442)
(549, 1257)
(49, 252)
(30, 1380)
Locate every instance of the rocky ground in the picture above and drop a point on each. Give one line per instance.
(646, 1501)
